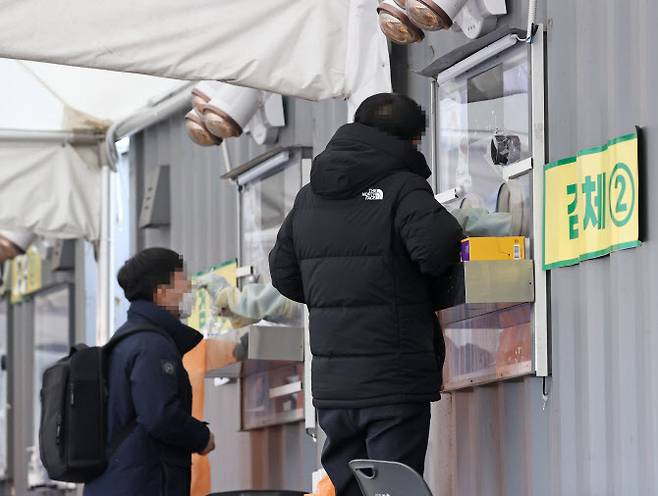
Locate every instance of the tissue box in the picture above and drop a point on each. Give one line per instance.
(493, 248)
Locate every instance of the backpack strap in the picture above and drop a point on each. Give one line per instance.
(131, 329)
(128, 330)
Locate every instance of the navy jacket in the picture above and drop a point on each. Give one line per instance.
(148, 382)
(364, 248)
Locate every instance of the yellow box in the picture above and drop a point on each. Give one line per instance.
(493, 248)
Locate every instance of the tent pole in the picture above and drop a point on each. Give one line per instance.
(105, 318)
(70, 137)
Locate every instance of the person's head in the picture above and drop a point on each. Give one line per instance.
(157, 275)
(396, 115)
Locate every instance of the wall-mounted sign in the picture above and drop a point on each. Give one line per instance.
(591, 205)
(25, 274)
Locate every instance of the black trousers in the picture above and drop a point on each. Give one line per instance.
(396, 433)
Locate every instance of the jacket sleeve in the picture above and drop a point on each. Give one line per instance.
(430, 233)
(154, 389)
(284, 267)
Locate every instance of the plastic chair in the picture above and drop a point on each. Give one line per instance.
(377, 478)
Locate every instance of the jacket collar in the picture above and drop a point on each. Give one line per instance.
(185, 337)
(403, 150)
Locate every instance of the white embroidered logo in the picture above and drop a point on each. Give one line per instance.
(373, 194)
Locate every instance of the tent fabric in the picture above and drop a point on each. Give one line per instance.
(51, 189)
(313, 49)
(85, 65)
(47, 97)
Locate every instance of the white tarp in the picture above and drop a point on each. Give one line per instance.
(314, 49)
(47, 187)
(49, 97)
(51, 189)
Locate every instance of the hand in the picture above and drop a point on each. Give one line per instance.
(210, 447)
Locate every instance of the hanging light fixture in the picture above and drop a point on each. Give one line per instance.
(197, 130)
(230, 109)
(396, 25)
(428, 15)
(202, 93)
(432, 15)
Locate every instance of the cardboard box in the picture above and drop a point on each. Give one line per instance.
(493, 248)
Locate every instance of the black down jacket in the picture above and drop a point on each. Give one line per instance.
(361, 249)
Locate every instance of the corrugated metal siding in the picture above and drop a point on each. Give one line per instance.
(597, 434)
(203, 228)
(602, 80)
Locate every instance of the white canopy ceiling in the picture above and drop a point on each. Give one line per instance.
(82, 66)
(50, 97)
(314, 49)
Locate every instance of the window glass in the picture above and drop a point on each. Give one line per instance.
(484, 126)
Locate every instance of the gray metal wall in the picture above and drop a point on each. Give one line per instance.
(203, 228)
(604, 436)
(597, 433)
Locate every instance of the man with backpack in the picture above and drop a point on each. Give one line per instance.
(363, 248)
(151, 430)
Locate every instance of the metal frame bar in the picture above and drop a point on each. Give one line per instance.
(540, 309)
(65, 137)
(310, 416)
(517, 170)
(104, 316)
(433, 134)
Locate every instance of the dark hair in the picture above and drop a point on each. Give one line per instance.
(144, 272)
(395, 114)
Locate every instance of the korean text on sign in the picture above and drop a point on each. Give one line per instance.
(591, 203)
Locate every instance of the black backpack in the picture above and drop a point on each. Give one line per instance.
(72, 433)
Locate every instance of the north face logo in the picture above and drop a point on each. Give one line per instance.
(373, 194)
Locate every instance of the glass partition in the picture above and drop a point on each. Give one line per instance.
(484, 151)
(272, 391)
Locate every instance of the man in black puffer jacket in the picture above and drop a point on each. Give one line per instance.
(362, 249)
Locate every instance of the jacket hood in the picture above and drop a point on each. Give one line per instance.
(357, 157)
(185, 337)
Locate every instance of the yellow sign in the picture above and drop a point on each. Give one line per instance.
(591, 203)
(25, 274)
(202, 318)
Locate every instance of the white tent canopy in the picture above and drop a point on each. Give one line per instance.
(50, 97)
(314, 49)
(53, 120)
(49, 188)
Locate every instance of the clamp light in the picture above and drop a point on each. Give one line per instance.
(432, 15)
(197, 130)
(396, 25)
(230, 109)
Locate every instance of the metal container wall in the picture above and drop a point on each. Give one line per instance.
(597, 434)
